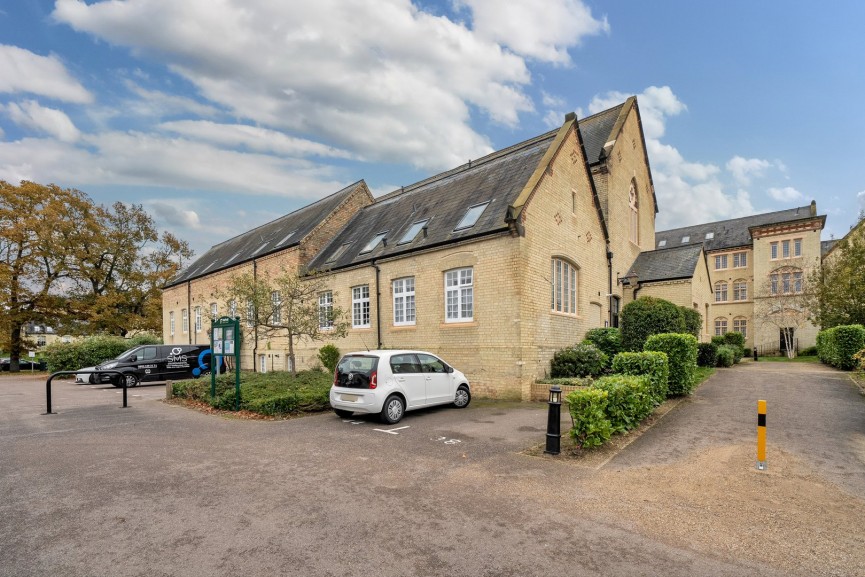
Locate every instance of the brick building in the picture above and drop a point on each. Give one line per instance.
(494, 265)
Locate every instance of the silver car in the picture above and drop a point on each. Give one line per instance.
(392, 382)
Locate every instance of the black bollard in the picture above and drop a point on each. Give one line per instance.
(554, 421)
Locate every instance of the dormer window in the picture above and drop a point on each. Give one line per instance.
(374, 242)
(413, 231)
(686, 239)
(472, 215)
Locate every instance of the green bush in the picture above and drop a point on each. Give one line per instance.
(681, 352)
(591, 425)
(276, 393)
(582, 360)
(568, 381)
(329, 356)
(629, 400)
(726, 356)
(707, 354)
(736, 339)
(653, 365)
(860, 360)
(719, 340)
(648, 316)
(692, 321)
(91, 351)
(806, 352)
(837, 346)
(608, 340)
(749, 352)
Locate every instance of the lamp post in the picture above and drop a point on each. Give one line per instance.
(554, 422)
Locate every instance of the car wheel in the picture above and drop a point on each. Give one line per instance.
(463, 397)
(393, 410)
(131, 380)
(342, 414)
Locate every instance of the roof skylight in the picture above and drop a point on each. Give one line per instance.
(370, 246)
(685, 239)
(710, 235)
(472, 215)
(337, 253)
(413, 231)
(662, 243)
(285, 238)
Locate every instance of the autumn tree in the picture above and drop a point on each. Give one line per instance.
(782, 303)
(297, 308)
(838, 287)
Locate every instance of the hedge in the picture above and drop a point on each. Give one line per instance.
(726, 356)
(707, 354)
(91, 351)
(608, 340)
(681, 352)
(692, 321)
(629, 400)
(648, 316)
(651, 364)
(582, 360)
(588, 412)
(837, 346)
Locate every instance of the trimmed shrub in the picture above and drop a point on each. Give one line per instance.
(329, 356)
(860, 360)
(692, 321)
(568, 381)
(582, 360)
(91, 351)
(749, 352)
(608, 340)
(651, 364)
(588, 412)
(629, 400)
(719, 340)
(736, 339)
(648, 316)
(837, 346)
(681, 352)
(807, 352)
(726, 356)
(707, 354)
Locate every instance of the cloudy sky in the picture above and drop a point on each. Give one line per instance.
(220, 115)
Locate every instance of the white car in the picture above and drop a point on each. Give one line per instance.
(85, 378)
(392, 382)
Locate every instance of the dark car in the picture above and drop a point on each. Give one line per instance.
(23, 364)
(149, 363)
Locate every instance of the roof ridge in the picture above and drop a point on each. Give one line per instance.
(296, 211)
(669, 230)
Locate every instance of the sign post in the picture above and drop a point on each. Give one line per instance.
(225, 342)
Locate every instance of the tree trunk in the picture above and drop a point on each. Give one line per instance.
(291, 355)
(15, 347)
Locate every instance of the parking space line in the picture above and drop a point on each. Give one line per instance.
(392, 431)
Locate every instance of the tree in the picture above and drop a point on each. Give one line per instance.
(68, 262)
(836, 298)
(782, 303)
(286, 305)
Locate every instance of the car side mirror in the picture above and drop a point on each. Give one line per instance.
(133, 358)
(449, 369)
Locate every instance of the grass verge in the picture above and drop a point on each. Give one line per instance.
(807, 359)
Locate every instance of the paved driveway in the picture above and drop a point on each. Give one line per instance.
(157, 489)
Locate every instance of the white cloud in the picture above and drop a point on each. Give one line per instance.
(175, 214)
(155, 103)
(657, 103)
(25, 71)
(543, 32)
(786, 194)
(382, 79)
(36, 117)
(554, 118)
(743, 169)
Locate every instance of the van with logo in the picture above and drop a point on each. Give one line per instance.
(149, 363)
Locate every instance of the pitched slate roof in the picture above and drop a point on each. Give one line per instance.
(497, 178)
(669, 264)
(726, 234)
(596, 131)
(826, 246)
(279, 234)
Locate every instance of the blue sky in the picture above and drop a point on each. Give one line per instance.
(218, 116)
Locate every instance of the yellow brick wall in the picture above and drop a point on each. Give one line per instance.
(732, 309)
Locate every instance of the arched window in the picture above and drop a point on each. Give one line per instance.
(720, 326)
(720, 291)
(634, 205)
(563, 296)
(787, 280)
(740, 325)
(740, 290)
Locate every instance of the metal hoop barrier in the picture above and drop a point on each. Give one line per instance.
(58, 373)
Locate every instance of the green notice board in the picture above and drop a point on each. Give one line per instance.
(225, 342)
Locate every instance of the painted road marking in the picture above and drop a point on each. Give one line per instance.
(446, 441)
(353, 422)
(391, 431)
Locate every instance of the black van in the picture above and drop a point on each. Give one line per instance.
(157, 363)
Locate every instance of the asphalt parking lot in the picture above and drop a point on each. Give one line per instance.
(157, 489)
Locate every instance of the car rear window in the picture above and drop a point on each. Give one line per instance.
(355, 370)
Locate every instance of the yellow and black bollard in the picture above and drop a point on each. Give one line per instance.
(761, 435)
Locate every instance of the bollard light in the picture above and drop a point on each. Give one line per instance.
(554, 421)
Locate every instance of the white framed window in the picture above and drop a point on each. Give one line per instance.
(198, 319)
(232, 308)
(720, 326)
(720, 261)
(797, 282)
(773, 249)
(250, 313)
(214, 311)
(785, 248)
(171, 323)
(634, 206)
(325, 310)
(720, 291)
(797, 247)
(185, 320)
(740, 290)
(563, 296)
(403, 301)
(785, 281)
(459, 295)
(740, 325)
(773, 283)
(276, 317)
(740, 260)
(360, 306)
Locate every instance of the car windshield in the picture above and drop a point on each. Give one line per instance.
(126, 354)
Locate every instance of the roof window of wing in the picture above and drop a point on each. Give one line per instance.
(472, 215)
(413, 231)
(686, 239)
(374, 242)
(662, 243)
(337, 253)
